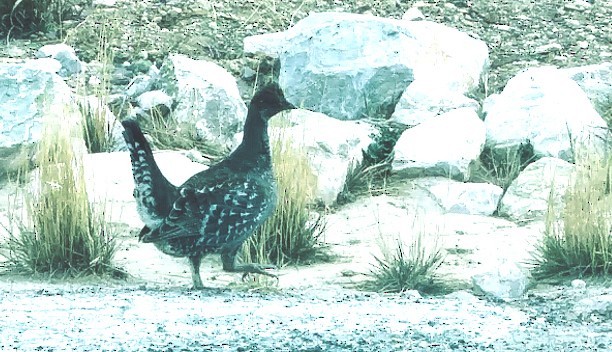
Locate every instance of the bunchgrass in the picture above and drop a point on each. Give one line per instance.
(97, 122)
(406, 265)
(577, 240)
(502, 168)
(95, 125)
(60, 232)
(166, 132)
(292, 235)
(362, 179)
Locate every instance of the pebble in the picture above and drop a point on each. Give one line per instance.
(579, 284)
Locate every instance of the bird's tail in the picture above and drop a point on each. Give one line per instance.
(154, 193)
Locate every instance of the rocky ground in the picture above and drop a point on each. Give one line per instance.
(314, 308)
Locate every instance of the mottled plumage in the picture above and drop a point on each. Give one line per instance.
(215, 210)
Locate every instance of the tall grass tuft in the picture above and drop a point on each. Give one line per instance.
(293, 233)
(578, 241)
(96, 122)
(96, 127)
(61, 231)
(406, 265)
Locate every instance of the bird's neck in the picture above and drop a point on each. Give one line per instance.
(255, 142)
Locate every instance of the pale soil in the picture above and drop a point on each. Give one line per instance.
(311, 308)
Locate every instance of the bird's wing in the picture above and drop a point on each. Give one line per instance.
(216, 215)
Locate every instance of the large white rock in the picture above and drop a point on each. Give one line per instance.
(330, 145)
(65, 55)
(29, 91)
(425, 98)
(527, 197)
(444, 145)
(548, 109)
(596, 82)
(349, 66)
(205, 95)
(462, 198)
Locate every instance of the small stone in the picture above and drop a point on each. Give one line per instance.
(578, 5)
(579, 284)
(548, 48)
(583, 44)
(413, 14)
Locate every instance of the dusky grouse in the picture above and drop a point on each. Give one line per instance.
(215, 210)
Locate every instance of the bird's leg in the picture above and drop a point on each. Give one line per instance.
(228, 258)
(195, 272)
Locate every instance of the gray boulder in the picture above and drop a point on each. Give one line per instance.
(30, 92)
(548, 109)
(527, 197)
(330, 145)
(444, 145)
(424, 99)
(506, 282)
(65, 55)
(206, 95)
(351, 66)
(596, 82)
(462, 198)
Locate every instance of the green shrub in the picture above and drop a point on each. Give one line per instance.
(292, 234)
(61, 231)
(578, 241)
(405, 266)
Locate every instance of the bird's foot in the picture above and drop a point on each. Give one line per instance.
(253, 268)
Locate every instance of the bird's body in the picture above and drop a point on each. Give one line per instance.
(215, 210)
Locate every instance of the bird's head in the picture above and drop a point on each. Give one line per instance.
(269, 101)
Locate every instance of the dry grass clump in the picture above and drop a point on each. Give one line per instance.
(502, 168)
(293, 232)
(406, 265)
(578, 241)
(60, 230)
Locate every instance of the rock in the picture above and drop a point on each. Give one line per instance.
(70, 63)
(507, 282)
(413, 14)
(578, 284)
(462, 198)
(596, 82)
(444, 145)
(149, 100)
(545, 107)
(29, 92)
(326, 67)
(527, 197)
(206, 95)
(330, 145)
(587, 307)
(424, 99)
(578, 5)
(269, 44)
(139, 85)
(462, 295)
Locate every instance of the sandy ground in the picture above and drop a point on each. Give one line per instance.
(311, 308)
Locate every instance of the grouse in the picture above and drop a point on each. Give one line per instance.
(217, 209)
